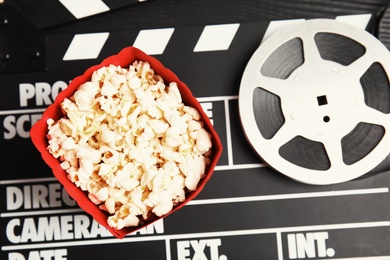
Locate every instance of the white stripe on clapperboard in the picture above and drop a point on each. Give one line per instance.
(213, 37)
(85, 8)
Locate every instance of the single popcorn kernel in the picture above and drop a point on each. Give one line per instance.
(129, 142)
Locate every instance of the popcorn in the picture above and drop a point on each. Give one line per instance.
(129, 142)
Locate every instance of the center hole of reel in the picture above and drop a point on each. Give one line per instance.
(326, 119)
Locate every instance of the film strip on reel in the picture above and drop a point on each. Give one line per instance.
(314, 101)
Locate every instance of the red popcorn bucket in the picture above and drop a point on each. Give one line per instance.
(123, 59)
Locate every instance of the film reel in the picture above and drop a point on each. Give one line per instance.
(314, 101)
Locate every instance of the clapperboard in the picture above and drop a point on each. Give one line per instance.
(246, 210)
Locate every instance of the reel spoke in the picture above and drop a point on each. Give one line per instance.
(287, 132)
(310, 50)
(373, 116)
(360, 66)
(334, 151)
(273, 85)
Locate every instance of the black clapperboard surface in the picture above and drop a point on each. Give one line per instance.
(245, 211)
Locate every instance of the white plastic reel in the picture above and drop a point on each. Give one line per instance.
(299, 94)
